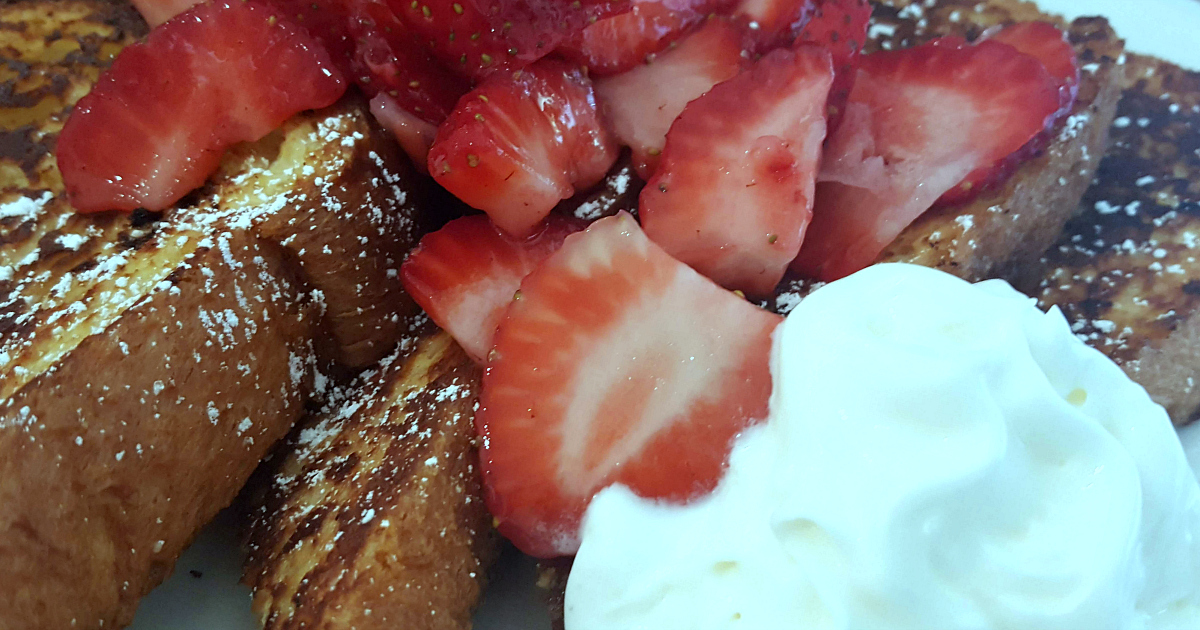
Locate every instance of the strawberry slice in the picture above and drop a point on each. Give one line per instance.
(622, 42)
(734, 192)
(389, 59)
(642, 103)
(479, 37)
(841, 27)
(918, 121)
(466, 274)
(327, 20)
(521, 142)
(1050, 46)
(618, 364)
(156, 12)
(772, 23)
(414, 134)
(158, 121)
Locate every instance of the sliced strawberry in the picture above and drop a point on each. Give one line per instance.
(156, 12)
(642, 103)
(413, 134)
(389, 59)
(841, 27)
(618, 364)
(734, 191)
(328, 21)
(158, 121)
(1050, 46)
(479, 37)
(466, 274)
(622, 42)
(772, 23)
(521, 142)
(918, 121)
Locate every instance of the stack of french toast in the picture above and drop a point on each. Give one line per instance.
(150, 361)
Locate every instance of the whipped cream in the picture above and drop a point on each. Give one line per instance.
(939, 455)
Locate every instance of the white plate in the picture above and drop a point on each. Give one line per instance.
(204, 592)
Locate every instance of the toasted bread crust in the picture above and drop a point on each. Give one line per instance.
(1126, 271)
(373, 516)
(149, 361)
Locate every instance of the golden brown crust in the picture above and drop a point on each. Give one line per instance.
(1125, 272)
(148, 361)
(373, 518)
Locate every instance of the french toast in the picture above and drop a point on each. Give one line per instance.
(372, 515)
(1125, 271)
(149, 361)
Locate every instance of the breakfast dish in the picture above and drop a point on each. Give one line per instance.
(372, 513)
(684, 204)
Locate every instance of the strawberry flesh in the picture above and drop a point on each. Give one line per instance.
(1051, 47)
(772, 23)
(521, 142)
(642, 103)
(466, 274)
(618, 364)
(414, 134)
(918, 121)
(620, 43)
(734, 192)
(158, 121)
(156, 12)
(841, 27)
(389, 59)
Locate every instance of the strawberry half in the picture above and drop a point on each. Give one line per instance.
(918, 121)
(622, 42)
(642, 103)
(734, 191)
(1051, 47)
(521, 142)
(841, 27)
(466, 274)
(618, 364)
(158, 121)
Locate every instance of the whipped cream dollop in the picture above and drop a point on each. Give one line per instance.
(939, 455)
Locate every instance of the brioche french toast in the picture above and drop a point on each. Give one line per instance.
(149, 360)
(372, 516)
(1125, 270)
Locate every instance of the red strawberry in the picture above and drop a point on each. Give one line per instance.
(157, 122)
(1050, 46)
(840, 26)
(734, 191)
(521, 142)
(918, 121)
(618, 364)
(413, 134)
(156, 12)
(466, 274)
(389, 59)
(641, 104)
(326, 20)
(772, 23)
(479, 37)
(619, 43)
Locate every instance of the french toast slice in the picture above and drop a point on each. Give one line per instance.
(1125, 272)
(149, 361)
(372, 516)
